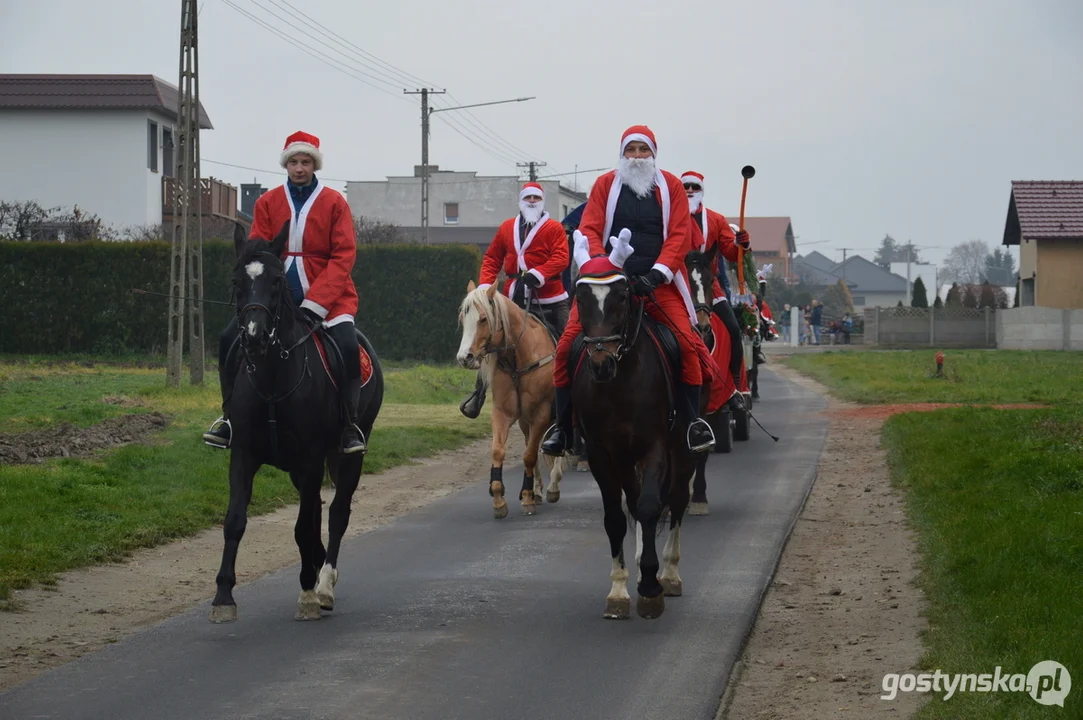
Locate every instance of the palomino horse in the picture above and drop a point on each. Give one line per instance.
(286, 412)
(516, 352)
(622, 391)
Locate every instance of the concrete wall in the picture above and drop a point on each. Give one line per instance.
(1040, 328)
(931, 327)
(96, 159)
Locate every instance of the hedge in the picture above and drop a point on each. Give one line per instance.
(76, 298)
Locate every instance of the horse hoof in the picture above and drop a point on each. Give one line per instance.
(500, 512)
(582, 466)
(672, 588)
(308, 611)
(326, 600)
(650, 608)
(530, 509)
(224, 614)
(698, 508)
(552, 497)
(618, 608)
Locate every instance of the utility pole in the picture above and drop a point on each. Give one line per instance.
(186, 253)
(424, 93)
(533, 166)
(844, 263)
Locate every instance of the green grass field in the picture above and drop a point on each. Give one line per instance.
(68, 513)
(996, 497)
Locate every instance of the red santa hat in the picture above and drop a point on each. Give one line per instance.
(302, 142)
(602, 270)
(532, 188)
(691, 176)
(642, 133)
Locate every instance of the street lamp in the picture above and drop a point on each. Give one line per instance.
(426, 113)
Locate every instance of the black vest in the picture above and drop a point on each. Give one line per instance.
(643, 216)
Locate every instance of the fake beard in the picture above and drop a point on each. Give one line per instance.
(638, 174)
(532, 212)
(695, 200)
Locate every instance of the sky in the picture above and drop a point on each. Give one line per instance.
(861, 117)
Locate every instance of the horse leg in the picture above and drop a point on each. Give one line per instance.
(618, 604)
(501, 424)
(556, 469)
(242, 468)
(346, 470)
(307, 535)
(678, 502)
(699, 487)
(648, 510)
(528, 498)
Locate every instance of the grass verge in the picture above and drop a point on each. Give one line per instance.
(69, 513)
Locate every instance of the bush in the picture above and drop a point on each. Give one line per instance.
(77, 298)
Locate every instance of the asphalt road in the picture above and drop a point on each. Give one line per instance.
(447, 613)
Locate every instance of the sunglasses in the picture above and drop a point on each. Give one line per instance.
(693, 187)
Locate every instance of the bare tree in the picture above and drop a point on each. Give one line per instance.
(965, 262)
(377, 232)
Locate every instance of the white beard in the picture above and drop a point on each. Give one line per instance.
(695, 201)
(638, 174)
(531, 212)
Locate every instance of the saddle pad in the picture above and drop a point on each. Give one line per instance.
(366, 363)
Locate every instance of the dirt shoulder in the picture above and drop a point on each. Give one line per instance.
(93, 607)
(843, 609)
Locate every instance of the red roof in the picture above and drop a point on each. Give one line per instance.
(768, 234)
(92, 92)
(1044, 210)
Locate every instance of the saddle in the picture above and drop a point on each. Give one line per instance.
(332, 360)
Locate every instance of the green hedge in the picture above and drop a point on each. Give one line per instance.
(77, 298)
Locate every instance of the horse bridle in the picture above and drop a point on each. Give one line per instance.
(625, 345)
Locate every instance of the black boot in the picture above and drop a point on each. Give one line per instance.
(735, 402)
(353, 440)
(700, 437)
(471, 407)
(220, 433)
(559, 439)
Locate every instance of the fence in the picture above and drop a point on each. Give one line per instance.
(1040, 328)
(942, 327)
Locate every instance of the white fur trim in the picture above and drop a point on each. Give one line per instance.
(535, 273)
(555, 299)
(614, 192)
(686, 295)
(692, 179)
(520, 249)
(664, 270)
(641, 138)
(720, 298)
(302, 147)
(314, 307)
(297, 232)
(528, 191)
(338, 320)
(607, 280)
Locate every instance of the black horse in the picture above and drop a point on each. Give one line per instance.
(622, 389)
(287, 412)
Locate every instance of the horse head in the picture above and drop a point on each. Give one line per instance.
(701, 285)
(259, 277)
(483, 317)
(605, 311)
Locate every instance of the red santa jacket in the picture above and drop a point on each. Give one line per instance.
(719, 235)
(322, 240)
(677, 226)
(543, 253)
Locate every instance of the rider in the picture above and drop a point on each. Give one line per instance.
(532, 249)
(651, 204)
(712, 230)
(319, 259)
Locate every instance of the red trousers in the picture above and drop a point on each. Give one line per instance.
(668, 308)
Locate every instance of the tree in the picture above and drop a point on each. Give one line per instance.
(965, 262)
(377, 232)
(986, 296)
(1000, 267)
(970, 297)
(837, 300)
(891, 251)
(919, 297)
(938, 303)
(1018, 292)
(954, 298)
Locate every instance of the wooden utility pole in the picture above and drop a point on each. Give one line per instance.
(533, 168)
(186, 256)
(424, 93)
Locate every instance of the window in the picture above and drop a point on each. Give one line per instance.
(152, 145)
(565, 213)
(167, 152)
(451, 213)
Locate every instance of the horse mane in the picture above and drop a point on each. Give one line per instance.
(496, 309)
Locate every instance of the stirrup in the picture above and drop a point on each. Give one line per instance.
(688, 436)
(364, 448)
(547, 436)
(216, 441)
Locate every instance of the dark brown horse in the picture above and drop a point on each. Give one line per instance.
(625, 408)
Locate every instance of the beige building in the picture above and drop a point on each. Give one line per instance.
(1045, 219)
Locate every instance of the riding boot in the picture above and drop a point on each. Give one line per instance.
(471, 407)
(700, 436)
(220, 433)
(559, 436)
(353, 440)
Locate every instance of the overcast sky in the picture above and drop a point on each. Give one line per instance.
(862, 117)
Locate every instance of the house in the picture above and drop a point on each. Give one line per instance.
(104, 143)
(1045, 219)
(870, 285)
(928, 272)
(463, 207)
(816, 271)
(772, 242)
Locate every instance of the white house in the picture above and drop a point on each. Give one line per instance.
(99, 142)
